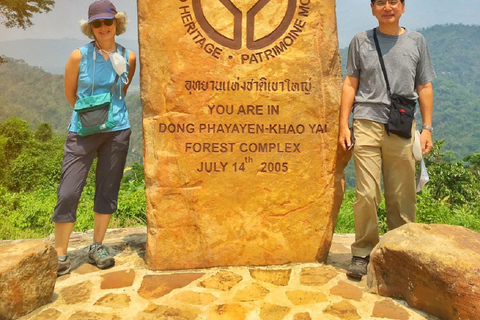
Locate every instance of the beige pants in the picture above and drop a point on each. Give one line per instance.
(376, 153)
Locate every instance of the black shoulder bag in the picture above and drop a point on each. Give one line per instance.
(402, 109)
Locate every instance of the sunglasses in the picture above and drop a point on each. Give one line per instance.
(98, 23)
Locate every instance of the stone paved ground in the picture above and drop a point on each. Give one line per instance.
(291, 292)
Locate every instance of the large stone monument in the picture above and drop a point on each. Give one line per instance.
(240, 115)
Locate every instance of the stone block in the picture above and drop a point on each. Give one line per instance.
(222, 280)
(347, 291)
(240, 124)
(343, 310)
(302, 297)
(435, 268)
(227, 312)
(156, 286)
(28, 271)
(196, 298)
(76, 292)
(252, 292)
(113, 300)
(317, 276)
(276, 277)
(272, 312)
(117, 279)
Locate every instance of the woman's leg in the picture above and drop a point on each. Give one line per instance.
(63, 230)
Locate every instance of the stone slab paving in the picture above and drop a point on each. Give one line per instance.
(291, 292)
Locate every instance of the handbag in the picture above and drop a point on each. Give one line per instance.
(402, 109)
(95, 112)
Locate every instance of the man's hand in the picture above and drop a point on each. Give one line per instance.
(344, 139)
(426, 141)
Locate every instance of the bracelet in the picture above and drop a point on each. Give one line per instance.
(428, 128)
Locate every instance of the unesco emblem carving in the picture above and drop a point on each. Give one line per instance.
(237, 16)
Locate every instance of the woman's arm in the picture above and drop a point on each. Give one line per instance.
(71, 76)
(132, 62)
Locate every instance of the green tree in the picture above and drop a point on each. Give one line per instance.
(473, 163)
(3, 158)
(38, 166)
(450, 180)
(18, 134)
(44, 132)
(18, 13)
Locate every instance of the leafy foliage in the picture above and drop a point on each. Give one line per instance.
(18, 13)
(29, 178)
(17, 134)
(451, 180)
(44, 132)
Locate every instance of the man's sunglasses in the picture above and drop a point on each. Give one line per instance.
(98, 23)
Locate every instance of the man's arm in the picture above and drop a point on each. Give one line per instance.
(349, 90)
(425, 99)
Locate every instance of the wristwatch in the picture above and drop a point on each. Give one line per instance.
(428, 128)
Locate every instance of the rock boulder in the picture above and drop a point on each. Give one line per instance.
(28, 272)
(435, 268)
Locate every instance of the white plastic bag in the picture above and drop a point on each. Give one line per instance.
(422, 178)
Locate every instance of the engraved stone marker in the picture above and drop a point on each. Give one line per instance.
(241, 101)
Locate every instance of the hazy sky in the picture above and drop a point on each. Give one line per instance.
(352, 16)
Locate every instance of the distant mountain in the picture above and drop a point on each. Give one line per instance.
(52, 54)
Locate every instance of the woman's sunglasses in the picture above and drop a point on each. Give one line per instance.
(98, 23)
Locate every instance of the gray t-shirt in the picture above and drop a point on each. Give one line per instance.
(408, 64)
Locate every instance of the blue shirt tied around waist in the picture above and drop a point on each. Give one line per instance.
(104, 77)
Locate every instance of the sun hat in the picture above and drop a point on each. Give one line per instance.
(102, 9)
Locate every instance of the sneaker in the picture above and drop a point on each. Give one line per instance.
(100, 257)
(64, 267)
(358, 267)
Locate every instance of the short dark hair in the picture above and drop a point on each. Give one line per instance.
(373, 1)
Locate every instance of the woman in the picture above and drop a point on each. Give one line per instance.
(90, 71)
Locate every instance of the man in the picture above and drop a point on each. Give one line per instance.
(375, 151)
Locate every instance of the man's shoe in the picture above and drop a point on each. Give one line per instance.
(64, 267)
(358, 267)
(100, 257)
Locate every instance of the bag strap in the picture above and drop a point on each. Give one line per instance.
(379, 52)
(94, 60)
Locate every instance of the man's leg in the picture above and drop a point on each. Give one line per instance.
(367, 158)
(399, 180)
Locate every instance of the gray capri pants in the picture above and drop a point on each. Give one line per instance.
(111, 149)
